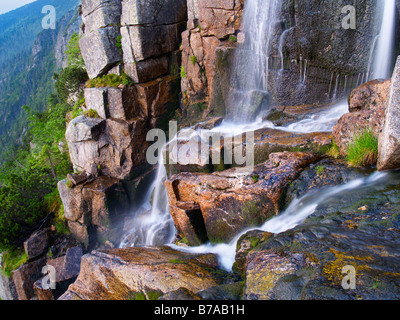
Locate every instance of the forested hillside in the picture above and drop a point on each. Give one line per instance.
(27, 64)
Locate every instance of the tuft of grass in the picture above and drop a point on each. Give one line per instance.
(110, 80)
(363, 150)
(232, 38)
(333, 151)
(91, 113)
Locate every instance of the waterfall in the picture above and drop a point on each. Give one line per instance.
(152, 223)
(251, 67)
(383, 56)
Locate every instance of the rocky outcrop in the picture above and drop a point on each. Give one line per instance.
(389, 139)
(367, 105)
(25, 276)
(37, 244)
(93, 208)
(146, 273)
(220, 205)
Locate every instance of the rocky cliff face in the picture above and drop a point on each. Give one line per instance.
(141, 39)
(313, 58)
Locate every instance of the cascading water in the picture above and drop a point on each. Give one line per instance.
(296, 213)
(381, 61)
(152, 223)
(251, 68)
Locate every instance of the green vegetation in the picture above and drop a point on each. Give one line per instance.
(28, 179)
(193, 59)
(183, 73)
(333, 151)
(232, 38)
(109, 80)
(91, 113)
(26, 72)
(12, 259)
(320, 170)
(363, 150)
(255, 178)
(119, 43)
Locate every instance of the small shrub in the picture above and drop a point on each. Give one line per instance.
(255, 178)
(69, 184)
(363, 150)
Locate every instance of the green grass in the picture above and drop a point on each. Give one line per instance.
(12, 259)
(363, 150)
(333, 151)
(109, 80)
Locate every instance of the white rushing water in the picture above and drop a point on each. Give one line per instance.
(296, 213)
(383, 57)
(152, 223)
(251, 66)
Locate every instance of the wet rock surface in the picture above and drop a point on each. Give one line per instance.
(144, 272)
(358, 228)
(230, 201)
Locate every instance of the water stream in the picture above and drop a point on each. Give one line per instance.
(296, 213)
(383, 56)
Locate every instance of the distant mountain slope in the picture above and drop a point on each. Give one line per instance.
(20, 27)
(27, 77)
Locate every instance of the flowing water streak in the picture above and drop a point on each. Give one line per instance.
(296, 213)
(152, 223)
(383, 59)
(251, 67)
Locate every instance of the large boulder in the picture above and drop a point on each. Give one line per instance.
(126, 274)
(93, 210)
(367, 105)
(66, 269)
(230, 201)
(100, 51)
(25, 276)
(102, 145)
(389, 139)
(98, 14)
(37, 244)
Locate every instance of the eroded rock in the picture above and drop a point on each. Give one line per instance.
(230, 201)
(122, 274)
